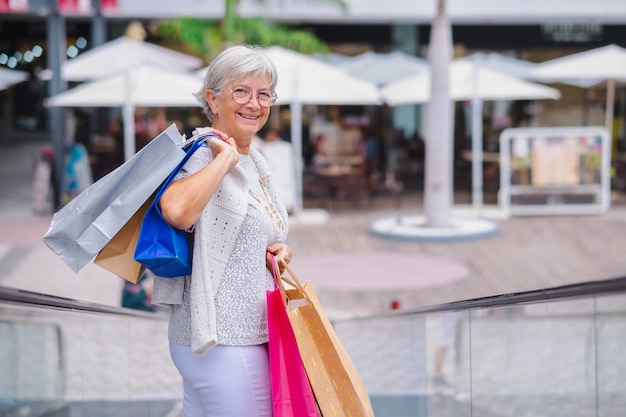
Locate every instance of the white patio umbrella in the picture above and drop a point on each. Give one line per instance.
(306, 80)
(469, 81)
(122, 54)
(505, 64)
(607, 63)
(142, 86)
(9, 77)
(521, 68)
(383, 68)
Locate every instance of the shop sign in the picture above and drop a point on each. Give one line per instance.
(572, 32)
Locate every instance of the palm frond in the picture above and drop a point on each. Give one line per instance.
(300, 40)
(206, 37)
(261, 32)
(191, 32)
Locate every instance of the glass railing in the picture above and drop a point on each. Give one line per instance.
(555, 352)
(60, 357)
(550, 353)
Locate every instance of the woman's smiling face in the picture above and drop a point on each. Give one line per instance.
(241, 121)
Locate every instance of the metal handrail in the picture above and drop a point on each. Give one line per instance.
(579, 290)
(28, 298)
(571, 291)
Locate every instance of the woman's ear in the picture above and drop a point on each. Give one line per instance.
(211, 99)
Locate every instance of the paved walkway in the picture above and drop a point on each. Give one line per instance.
(527, 254)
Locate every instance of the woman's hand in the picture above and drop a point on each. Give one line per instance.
(224, 148)
(186, 198)
(280, 252)
(222, 135)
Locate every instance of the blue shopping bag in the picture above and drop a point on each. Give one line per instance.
(161, 248)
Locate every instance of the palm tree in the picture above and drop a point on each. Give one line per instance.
(208, 37)
(438, 188)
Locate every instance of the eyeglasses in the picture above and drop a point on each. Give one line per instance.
(243, 95)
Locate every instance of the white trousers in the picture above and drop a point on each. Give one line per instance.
(227, 381)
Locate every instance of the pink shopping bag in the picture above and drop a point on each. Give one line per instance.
(292, 395)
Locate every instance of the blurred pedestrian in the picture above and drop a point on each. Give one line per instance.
(279, 156)
(450, 321)
(139, 296)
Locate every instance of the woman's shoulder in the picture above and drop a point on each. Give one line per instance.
(201, 157)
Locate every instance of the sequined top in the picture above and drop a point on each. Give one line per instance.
(240, 301)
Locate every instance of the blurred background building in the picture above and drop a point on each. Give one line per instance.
(532, 30)
(36, 35)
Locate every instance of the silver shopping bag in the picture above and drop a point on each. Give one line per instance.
(88, 222)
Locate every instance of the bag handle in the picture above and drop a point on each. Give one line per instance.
(278, 279)
(197, 143)
(294, 281)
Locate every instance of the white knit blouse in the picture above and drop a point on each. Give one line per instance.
(223, 301)
(240, 303)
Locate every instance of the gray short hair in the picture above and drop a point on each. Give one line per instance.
(234, 63)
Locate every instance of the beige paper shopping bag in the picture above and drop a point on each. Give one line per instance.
(336, 383)
(118, 255)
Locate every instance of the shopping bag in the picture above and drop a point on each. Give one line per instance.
(337, 386)
(83, 227)
(161, 248)
(292, 395)
(118, 255)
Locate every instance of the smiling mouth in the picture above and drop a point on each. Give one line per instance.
(245, 116)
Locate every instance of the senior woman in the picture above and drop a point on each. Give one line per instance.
(218, 315)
